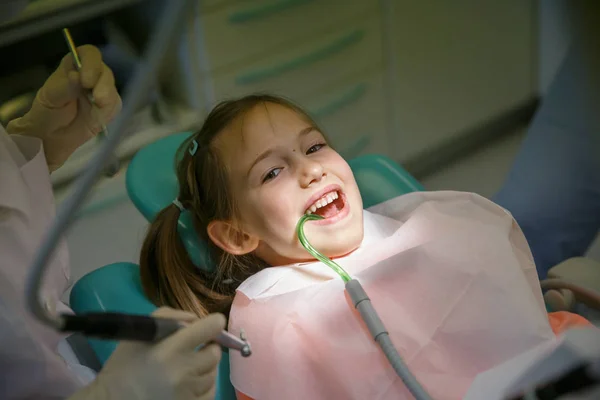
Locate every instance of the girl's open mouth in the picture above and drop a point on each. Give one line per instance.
(332, 206)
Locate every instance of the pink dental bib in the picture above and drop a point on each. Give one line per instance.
(452, 279)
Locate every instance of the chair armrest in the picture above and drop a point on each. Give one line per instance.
(118, 288)
(113, 288)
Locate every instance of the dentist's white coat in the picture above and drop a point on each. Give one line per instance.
(30, 366)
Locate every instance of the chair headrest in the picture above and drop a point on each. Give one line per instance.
(151, 180)
(152, 185)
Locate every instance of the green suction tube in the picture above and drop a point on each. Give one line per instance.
(314, 252)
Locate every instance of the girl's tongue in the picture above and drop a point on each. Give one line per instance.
(331, 209)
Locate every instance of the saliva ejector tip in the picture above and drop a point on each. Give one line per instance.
(314, 252)
(246, 351)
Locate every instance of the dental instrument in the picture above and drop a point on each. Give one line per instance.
(114, 326)
(142, 328)
(362, 303)
(113, 165)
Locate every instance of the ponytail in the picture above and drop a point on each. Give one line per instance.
(169, 277)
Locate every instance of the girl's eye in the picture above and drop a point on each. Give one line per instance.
(315, 148)
(272, 174)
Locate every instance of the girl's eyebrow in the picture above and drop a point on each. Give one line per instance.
(306, 131)
(268, 152)
(261, 157)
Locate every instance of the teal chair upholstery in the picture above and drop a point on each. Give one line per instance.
(151, 186)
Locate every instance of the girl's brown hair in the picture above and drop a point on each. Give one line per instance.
(169, 277)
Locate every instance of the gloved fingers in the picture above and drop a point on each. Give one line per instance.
(197, 333)
(86, 124)
(201, 386)
(66, 83)
(106, 96)
(205, 361)
(210, 395)
(92, 66)
(105, 92)
(98, 77)
(60, 89)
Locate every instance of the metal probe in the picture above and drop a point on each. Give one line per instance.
(113, 165)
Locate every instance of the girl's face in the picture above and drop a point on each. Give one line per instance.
(280, 168)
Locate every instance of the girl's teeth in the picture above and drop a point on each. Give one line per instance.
(322, 202)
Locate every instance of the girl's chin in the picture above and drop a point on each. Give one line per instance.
(343, 252)
(304, 256)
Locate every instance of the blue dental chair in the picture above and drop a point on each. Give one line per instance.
(151, 186)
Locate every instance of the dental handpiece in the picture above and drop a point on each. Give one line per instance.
(113, 165)
(116, 326)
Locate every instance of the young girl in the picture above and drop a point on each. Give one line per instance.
(260, 163)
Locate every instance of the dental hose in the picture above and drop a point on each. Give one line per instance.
(367, 312)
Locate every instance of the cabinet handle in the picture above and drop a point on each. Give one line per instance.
(348, 97)
(303, 60)
(240, 17)
(356, 148)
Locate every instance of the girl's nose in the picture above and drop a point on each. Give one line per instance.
(311, 172)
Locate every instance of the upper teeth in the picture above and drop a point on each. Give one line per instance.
(322, 202)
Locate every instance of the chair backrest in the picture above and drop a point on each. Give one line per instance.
(152, 183)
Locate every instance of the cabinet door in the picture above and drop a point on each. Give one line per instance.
(309, 65)
(247, 31)
(458, 64)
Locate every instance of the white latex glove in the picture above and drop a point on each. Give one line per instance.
(170, 369)
(61, 115)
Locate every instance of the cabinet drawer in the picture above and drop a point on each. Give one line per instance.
(310, 66)
(353, 117)
(252, 29)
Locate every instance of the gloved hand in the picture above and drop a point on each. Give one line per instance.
(61, 115)
(170, 369)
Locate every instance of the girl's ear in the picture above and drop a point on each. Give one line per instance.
(231, 239)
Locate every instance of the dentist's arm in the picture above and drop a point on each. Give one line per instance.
(61, 115)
